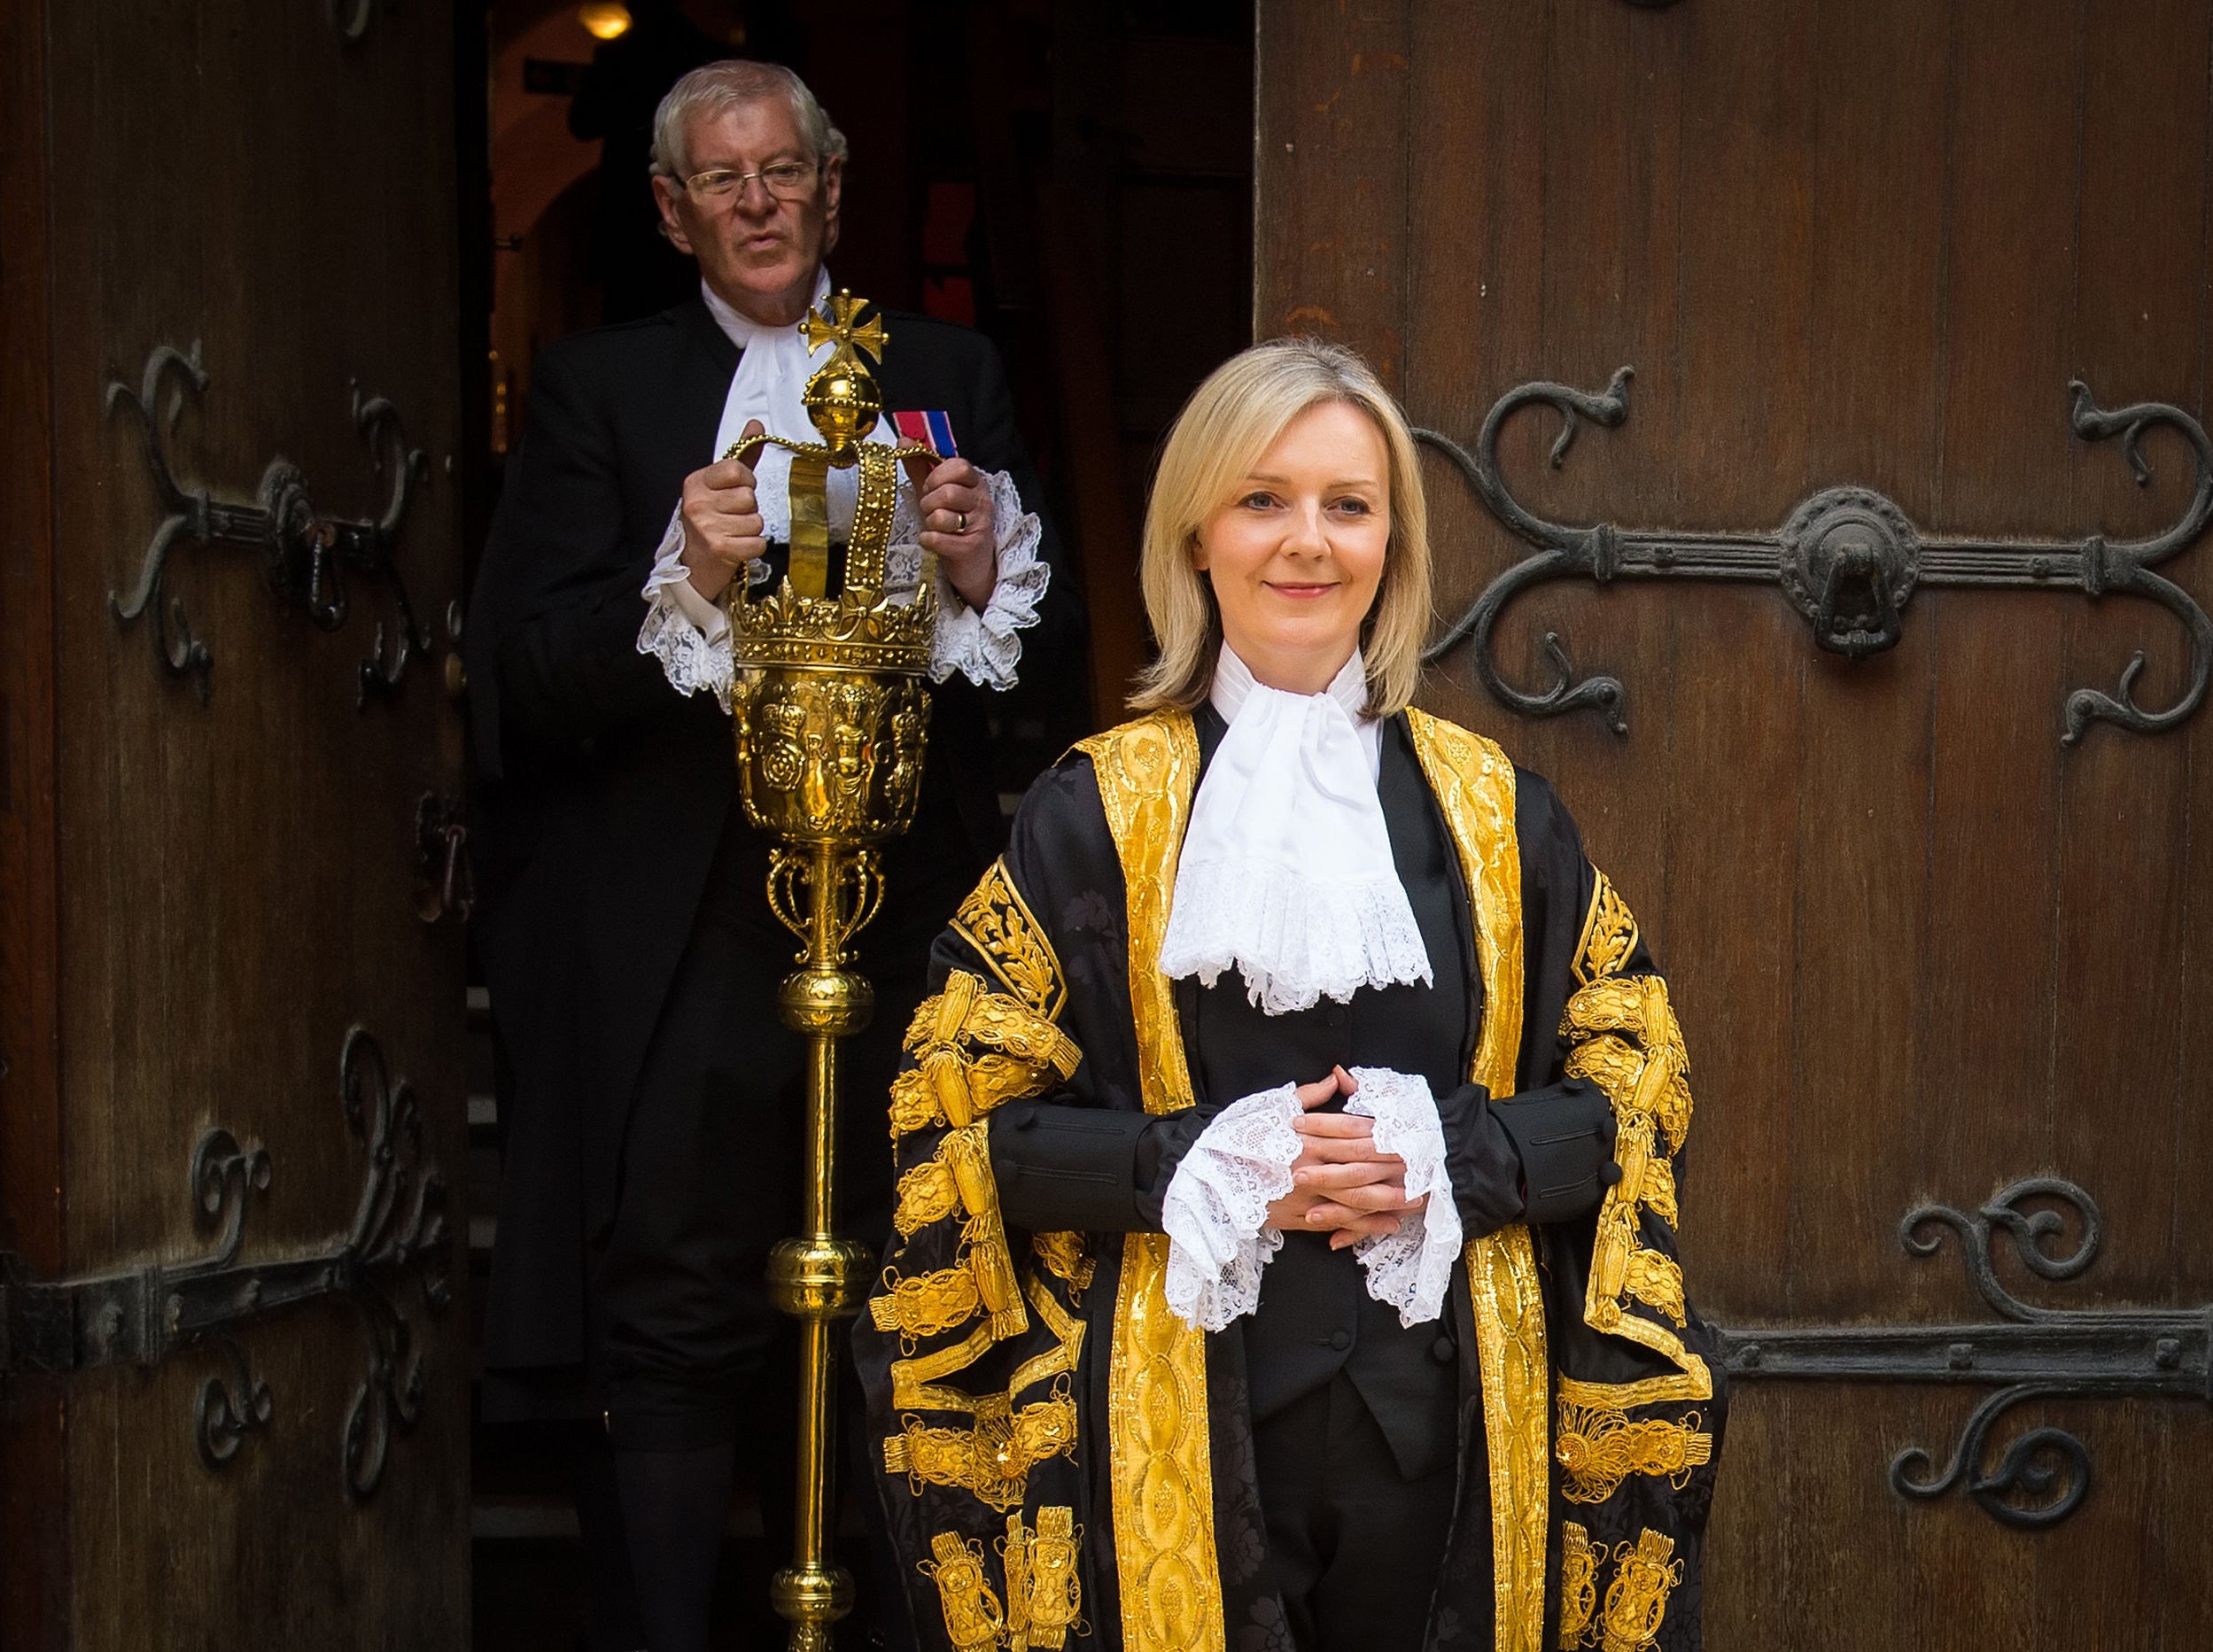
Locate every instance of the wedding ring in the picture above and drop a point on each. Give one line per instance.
(963, 522)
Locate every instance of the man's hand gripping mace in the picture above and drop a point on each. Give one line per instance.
(831, 710)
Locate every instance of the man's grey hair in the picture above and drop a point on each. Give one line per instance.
(728, 85)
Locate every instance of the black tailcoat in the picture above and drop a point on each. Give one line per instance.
(603, 794)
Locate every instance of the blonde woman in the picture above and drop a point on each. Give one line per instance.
(1285, 1240)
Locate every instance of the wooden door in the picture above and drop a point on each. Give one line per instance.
(1941, 969)
(233, 1353)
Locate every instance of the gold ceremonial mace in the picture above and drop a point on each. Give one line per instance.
(831, 709)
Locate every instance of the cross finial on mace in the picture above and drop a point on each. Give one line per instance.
(843, 328)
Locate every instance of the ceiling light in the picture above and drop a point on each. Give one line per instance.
(605, 18)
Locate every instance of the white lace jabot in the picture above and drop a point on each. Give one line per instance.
(1287, 875)
(1287, 872)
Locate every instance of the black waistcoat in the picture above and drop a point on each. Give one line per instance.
(1315, 1316)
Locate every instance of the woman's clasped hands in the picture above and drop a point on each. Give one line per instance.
(1340, 1185)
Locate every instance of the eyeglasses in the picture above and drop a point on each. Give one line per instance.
(785, 180)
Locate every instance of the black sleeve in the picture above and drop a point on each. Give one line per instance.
(1544, 1155)
(567, 664)
(1480, 1158)
(1090, 1169)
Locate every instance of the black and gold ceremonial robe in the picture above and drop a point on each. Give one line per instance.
(1065, 1464)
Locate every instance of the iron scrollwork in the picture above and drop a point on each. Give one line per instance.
(1848, 559)
(445, 877)
(305, 555)
(2029, 1352)
(140, 1315)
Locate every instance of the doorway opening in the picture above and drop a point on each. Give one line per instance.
(1073, 180)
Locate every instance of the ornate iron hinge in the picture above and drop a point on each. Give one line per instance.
(445, 880)
(145, 1314)
(1848, 559)
(2032, 1354)
(305, 555)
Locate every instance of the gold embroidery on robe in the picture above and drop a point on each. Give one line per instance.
(1066, 1257)
(1579, 1585)
(928, 1193)
(1473, 782)
(1657, 1281)
(974, 1050)
(1158, 1449)
(928, 1304)
(992, 1459)
(998, 923)
(982, 1278)
(990, 1462)
(1045, 1594)
(1696, 1382)
(973, 1618)
(1636, 1600)
(1624, 1038)
(1610, 935)
(1599, 1447)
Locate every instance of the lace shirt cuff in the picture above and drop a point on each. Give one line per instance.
(1410, 1269)
(982, 644)
(690, 635)
(1216, 1211)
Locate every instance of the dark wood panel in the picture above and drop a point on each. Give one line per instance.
(1474, 295)
(33, 1464)
(2126, 806)
(2010, 206)
(1877, 181)
(236, 879)
(1744, 292)
(1608, 192)
(1857, 1130)
(2139, 282)
(1921, 951)
(1335, 81)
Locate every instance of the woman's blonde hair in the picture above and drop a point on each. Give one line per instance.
(1230, 420)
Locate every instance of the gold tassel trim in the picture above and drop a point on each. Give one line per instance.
(1600, 1449)
(1067, 1258)
(1625, 1039)
(983, 1276)
(915, 1384)
(975, 1050)
(1579, 1585)
(1637, 1005)
(1045, 1594)
(991, 1462)
(973, 1618)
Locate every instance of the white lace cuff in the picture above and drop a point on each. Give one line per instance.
(1410, 1269)
(981, 644)
(689, 635)
(1216, 1210)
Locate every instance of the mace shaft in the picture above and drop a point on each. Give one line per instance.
(819, 1278)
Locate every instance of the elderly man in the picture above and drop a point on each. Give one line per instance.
(651, 1102)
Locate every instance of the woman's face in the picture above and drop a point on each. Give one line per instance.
(1296, 553)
